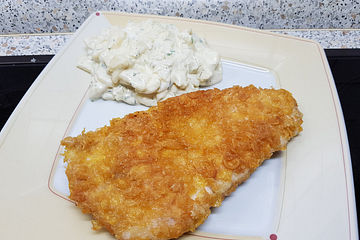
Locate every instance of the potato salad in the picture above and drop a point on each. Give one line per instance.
(147, 62)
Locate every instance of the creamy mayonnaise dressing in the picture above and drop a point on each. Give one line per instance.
(148, 62)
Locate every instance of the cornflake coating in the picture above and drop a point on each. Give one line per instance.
(155, 174)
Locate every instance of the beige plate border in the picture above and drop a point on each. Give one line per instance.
(36, 129)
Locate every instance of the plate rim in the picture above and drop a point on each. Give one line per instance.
(346, 159)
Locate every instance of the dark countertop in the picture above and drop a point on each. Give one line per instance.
(344, 64)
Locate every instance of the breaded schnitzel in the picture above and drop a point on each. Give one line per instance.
(155, 174)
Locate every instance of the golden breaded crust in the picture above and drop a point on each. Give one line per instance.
(155, 174)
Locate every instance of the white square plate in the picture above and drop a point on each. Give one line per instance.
(305, 192)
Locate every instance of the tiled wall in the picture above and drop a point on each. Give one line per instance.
(44, 16)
